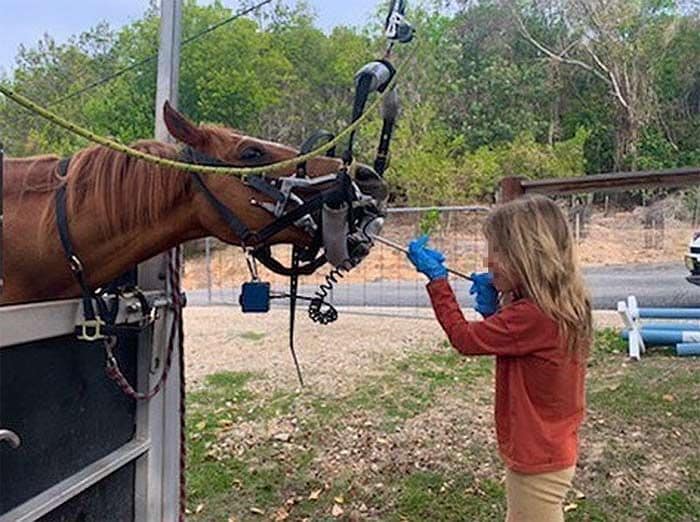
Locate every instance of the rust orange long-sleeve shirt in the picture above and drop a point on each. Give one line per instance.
(540, 395)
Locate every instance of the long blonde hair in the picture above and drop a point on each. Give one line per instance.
(536, 247)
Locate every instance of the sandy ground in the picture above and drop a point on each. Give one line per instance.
(332, 357)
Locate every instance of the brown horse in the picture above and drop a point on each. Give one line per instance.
(123, 211)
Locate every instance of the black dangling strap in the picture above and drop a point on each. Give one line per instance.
(293, 292)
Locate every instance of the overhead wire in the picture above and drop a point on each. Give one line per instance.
(154, 57)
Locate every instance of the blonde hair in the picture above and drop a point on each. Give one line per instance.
(535, 247)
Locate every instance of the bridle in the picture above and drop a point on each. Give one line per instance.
(297, 201)
(331, 209)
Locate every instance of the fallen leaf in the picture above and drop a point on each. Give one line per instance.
(337, 510)
(282, 437)
(668, 398)
(579, 494)
(201, 425)
(339, 500)
(257, 511)
(199, 508)
(315, 494)
(281, 514)
(232, 519)
(570, 507)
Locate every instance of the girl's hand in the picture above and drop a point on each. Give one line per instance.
(427, 261)
(486, 294)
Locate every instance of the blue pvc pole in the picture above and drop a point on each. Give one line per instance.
(671, 326)
(667, 337)
(670, 313)
(688, 349)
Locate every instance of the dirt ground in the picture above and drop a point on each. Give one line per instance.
(391, 427)
(332, 357)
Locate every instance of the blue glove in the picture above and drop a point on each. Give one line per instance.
(486, 294)
(427, 261)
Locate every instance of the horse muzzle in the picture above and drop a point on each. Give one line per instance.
(348, 227)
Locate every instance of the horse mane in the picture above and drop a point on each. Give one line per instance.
(129, 192)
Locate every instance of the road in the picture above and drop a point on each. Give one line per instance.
(653, 285)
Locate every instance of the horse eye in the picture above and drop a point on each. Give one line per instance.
(252, 153)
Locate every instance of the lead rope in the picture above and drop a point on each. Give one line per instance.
(175, 263)
(114, 372)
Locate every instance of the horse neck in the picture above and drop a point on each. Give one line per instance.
(38, 269)
(105, 258)
(134, 214)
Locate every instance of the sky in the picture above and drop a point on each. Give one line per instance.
(25, 21)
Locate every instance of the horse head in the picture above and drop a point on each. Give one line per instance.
(253, 207)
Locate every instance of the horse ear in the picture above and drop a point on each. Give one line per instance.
(181, 128)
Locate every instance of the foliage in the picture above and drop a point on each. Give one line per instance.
(480, 101)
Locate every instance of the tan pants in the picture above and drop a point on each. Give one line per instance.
(537, 498)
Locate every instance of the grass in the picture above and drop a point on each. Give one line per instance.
(296, 456)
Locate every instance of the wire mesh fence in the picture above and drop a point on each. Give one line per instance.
(215, 271)
(607, 233)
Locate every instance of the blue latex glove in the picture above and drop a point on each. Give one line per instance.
(486, 294)
(427, 261)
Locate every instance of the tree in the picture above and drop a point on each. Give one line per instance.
(620, 42)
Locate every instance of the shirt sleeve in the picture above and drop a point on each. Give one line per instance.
(513, 331)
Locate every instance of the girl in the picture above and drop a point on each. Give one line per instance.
(540, 333)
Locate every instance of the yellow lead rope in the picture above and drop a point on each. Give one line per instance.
(202, 169)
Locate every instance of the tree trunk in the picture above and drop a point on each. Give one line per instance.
(627, 141)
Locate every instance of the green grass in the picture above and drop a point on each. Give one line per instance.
(252, 336)
(658, 396)
(434, 496)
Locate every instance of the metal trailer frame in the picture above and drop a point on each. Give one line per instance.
(155, 447)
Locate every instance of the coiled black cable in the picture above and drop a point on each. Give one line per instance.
(320, 310)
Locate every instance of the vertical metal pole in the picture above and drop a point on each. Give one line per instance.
(578, 228)
(168, 62)
(158, 472)
(207, 255)
(167, 89)
(2, 195)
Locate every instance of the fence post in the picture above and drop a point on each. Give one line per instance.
(511, 188)
(2, 159)
(578, 228)
(207, 255)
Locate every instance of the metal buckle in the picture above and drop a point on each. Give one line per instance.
(96, 324)
(75, 265)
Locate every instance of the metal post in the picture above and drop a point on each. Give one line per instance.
(511, 188)
(168, 62)
(2, 161)
(158, 474)
(207, 255)
(167, 89)
(578, 228)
